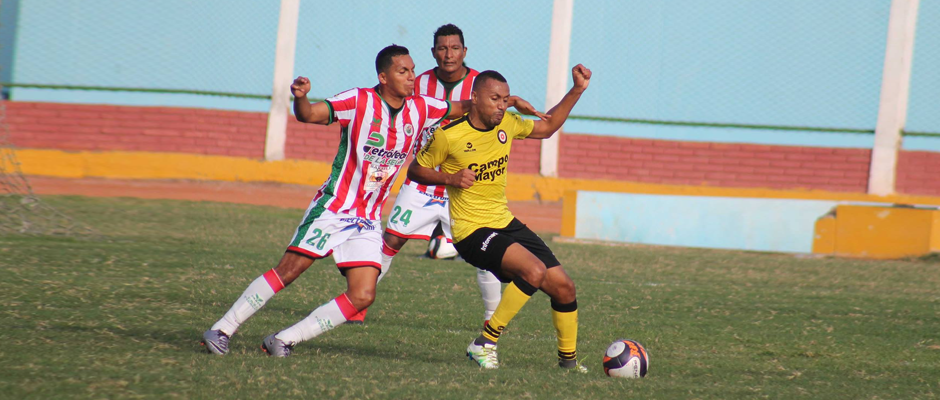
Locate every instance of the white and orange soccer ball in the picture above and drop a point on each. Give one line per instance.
(626, 358)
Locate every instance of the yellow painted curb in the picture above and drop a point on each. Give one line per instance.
(521, 187)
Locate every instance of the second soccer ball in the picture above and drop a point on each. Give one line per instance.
(626, 358)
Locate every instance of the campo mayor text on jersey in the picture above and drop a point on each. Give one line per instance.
(488, 171)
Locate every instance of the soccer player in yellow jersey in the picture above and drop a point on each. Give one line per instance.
(473, 155)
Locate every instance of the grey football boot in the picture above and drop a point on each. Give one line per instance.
(215, 341)
(276, 347)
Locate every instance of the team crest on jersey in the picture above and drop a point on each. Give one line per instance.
(409, 129)
(501, 136)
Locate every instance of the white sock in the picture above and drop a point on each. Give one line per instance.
(386, 264)
(324, 318)
(255, 296)
(491, 290)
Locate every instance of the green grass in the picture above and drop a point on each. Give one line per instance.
(121, 316)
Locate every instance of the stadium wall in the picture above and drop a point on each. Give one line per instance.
(585, 160)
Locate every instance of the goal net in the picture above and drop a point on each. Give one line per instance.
(21, 211)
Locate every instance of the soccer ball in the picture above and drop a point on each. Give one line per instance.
(439, 248)
(626, 358)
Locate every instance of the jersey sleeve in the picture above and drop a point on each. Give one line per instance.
(437, 110)
(520, 127)
(435, 151)
(343, 107)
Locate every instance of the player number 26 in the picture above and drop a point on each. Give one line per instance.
(318, 234)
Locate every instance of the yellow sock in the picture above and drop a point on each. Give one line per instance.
(516, 294)
(565, 319)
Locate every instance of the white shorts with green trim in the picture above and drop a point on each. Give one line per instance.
(353, 241)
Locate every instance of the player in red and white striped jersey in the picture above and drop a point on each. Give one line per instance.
(419, 209)
(380, 126)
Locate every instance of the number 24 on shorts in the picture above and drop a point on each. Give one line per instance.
(318, 234)
(405, 216)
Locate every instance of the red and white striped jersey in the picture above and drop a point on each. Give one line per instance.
(373, 147)
(428, 85)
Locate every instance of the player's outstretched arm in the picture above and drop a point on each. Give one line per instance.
(557, 115)
(525, 108)
(318, 113)
(459, 108)
(430, 176)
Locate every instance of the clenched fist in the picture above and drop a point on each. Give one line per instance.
(300, 87)
(462, 179)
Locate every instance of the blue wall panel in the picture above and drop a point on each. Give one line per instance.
(783, 225)
(794, 63)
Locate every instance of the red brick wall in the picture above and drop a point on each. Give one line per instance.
(241, 134)
(714, 164)
(162, 129)
(310, 141)
(918, 173)
(525, 156)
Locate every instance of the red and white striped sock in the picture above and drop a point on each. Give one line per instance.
(324, 318)
(255, 296)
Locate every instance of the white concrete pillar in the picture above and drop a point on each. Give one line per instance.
(283, 76)
(895, 87)
(557, 80)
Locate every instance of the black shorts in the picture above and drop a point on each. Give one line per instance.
(485, 247)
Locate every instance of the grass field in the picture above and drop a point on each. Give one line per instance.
(121, 316)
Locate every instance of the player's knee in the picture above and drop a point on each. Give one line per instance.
(362, 297)
(535, 274)
(291, 266)
(566, 292)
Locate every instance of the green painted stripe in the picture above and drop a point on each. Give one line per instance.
(722, 125)
(572, 117)
(921, 134)
(143, 90)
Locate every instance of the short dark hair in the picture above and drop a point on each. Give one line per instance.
(448, 30)
(485, 76)
(384, 59)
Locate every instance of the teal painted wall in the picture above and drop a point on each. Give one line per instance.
(783, 225)
(796, 63)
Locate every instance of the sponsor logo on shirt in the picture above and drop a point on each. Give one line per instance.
(383, 156)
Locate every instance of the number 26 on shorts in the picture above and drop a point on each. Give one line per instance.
(318, 234)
